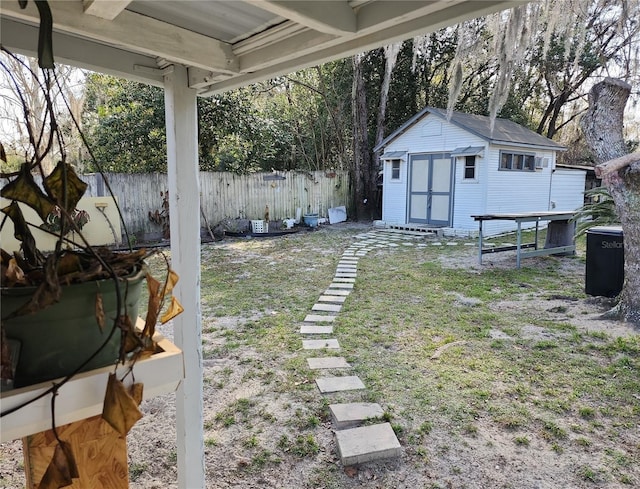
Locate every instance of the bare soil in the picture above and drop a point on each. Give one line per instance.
(488, 459)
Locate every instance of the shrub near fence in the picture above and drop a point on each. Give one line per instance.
(228, 195)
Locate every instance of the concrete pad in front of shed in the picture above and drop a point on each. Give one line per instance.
(327, 362)
(367, 444)
(304, 329)
(339, 384)
(327, 307)
(317, 318)
(337, 292)
(320, 344)
(332, 298)
(352, 414)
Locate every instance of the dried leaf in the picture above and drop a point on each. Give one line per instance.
(25, 189)
(120, 410)
(100, 317)
(47, 293)
(14, 274)
(131, 341)
(172, 280)
(135, 391)
(3, 155)
(68, 452)
(64, 186)
(153, 308)
(61, 470)
(174, 309)
(68, 263)
(22, 233)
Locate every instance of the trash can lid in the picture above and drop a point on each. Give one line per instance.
(609, 230)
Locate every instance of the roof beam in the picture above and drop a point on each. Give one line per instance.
(81, 53)
(135, 32)
(105, 9)
(295, 51)
(330, 17)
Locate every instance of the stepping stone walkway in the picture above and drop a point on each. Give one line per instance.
(356, 444)
(365, 443)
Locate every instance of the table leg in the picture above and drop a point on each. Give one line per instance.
(480, 244)
(518, 244)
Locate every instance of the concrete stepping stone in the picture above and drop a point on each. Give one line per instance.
(318, 318)
(345, 275)
(320, 344)
(349, 258)
(367, 444)
(304, 329)
(337, 292)
(346, 270)
(345, 280)
(326, 307)
(335, 285)
(352, 414)
(332, 298)
(327, 362)
(347, 264)
(339, 384)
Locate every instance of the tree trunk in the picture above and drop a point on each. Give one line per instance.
(361, 150)
(602, 126)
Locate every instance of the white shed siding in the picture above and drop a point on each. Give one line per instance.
(567, 189)
(431, 135)
(516, 191)
(470, 195)
(394, 194)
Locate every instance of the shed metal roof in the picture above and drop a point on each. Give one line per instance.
(504, 132)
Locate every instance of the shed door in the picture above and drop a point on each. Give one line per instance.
(430, 189)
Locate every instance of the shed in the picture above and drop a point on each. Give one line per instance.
(439, 171)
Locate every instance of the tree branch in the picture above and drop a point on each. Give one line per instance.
(616, 164)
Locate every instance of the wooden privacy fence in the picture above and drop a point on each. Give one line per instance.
(227, 195)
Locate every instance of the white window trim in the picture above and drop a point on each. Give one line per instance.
(399, 179)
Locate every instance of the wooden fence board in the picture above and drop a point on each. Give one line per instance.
(227, 195)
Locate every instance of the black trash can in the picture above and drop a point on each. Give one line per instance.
(605, 261)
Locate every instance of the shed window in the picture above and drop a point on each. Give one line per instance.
(517, 161)
(469, 167)
(395, 169)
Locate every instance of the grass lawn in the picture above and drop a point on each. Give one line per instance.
(526, 377)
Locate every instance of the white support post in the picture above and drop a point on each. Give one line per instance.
(184, 212)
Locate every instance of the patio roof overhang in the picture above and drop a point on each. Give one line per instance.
(226, 44)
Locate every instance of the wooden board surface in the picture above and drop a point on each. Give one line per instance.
(100, 453)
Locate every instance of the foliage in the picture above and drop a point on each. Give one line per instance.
(599, 211)
(54, 221)
(125, 125)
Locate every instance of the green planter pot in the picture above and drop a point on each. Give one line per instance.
(54, 342)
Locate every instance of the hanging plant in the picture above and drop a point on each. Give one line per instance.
(36, 282)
